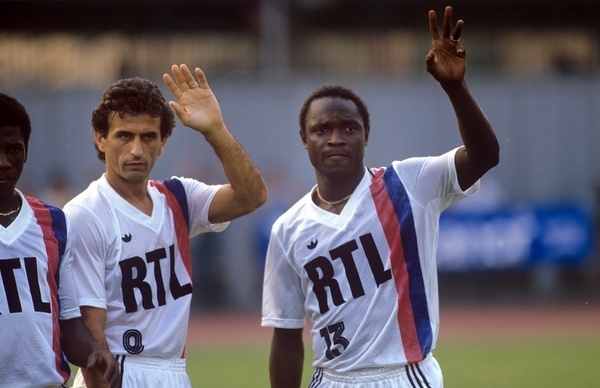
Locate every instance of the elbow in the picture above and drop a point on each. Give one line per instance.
(489, 156)
(259, 198)
(495, 156)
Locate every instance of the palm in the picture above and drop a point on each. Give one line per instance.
(200, 108)
(446, 61)
(196, 105)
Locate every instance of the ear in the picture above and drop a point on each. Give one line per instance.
(100, 140)
(162, 147)
(303, 137)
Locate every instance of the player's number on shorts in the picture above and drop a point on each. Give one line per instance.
(333, 337)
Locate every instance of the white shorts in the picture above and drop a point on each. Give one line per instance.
(426, 373)
(139, 371)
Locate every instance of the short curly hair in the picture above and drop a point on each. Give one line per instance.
(339, 91)
(13, 113)
(132, 97)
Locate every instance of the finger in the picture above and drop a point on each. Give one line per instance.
(201, 78)
(177, 108)
(189, 78)
(111, 375)
(433, 25)
(92, 360)
(430, 61)
(179, 78)
(458, 31)
(172, 85)
(447, 27)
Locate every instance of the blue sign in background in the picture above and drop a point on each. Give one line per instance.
(516, 236)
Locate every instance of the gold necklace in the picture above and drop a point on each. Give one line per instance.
(10, 213)
(331, 203)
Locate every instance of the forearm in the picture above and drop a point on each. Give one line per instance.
(287, 359)
(285, 370)
(77, 342)
(95, 321)
(476, 131)
(249, 189)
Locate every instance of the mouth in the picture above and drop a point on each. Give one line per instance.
(135, 166)
(336, 156)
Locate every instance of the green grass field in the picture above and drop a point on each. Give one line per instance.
(552, 363)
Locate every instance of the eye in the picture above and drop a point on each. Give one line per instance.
(16, 149)
(351, 128)
(151, 136)
(319, 130)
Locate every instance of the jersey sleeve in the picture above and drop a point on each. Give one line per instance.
(433, 181)
(199, 197)
(89, 241)
(67, 293)
(283, 299)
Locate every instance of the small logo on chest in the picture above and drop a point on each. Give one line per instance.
(312, 244)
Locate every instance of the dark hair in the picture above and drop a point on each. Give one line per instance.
(13, 113)
(132, 97)
(340, 92)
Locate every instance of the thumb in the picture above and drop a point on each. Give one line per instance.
(430, 61)
(92, 360)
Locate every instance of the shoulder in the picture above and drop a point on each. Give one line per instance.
(88, 198)
(39, 208)
(180, 185)
(88, 206)
(296, 213)
(414, 165)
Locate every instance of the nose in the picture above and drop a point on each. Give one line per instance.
(136, 146)
(336, 136)
(4, 162)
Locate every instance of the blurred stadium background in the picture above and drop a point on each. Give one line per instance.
(529, 235)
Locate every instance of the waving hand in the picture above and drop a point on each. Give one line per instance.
(446, 61)
(196, 106)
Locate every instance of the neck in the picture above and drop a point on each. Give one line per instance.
(11, 211)
(335, 188)
(136, 193)
(334, 202)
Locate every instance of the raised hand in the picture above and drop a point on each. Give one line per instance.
(446, 61)
(196, 105)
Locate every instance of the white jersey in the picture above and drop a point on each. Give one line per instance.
(366, 278)
(138, 267)
(36, 290)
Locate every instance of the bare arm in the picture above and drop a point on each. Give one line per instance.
(446, 62)
(82, 350)
(95, 320)
(198, 109)
(287, 358)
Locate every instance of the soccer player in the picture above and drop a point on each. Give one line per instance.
(134, 277)
(356, 255)
(39, 314)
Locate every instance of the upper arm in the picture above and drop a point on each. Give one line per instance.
(468, 169)
(226, 206)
